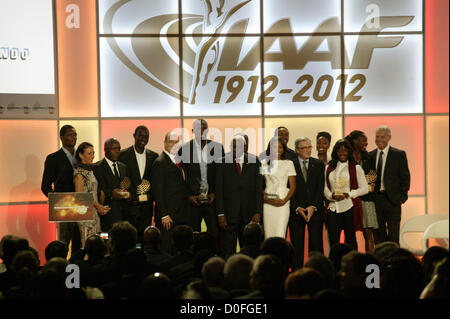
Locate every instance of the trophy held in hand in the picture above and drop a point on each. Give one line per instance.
(272, 190)
(371, 178)
(124, 186)
(341, 183)
(203, 198)
(142, 190)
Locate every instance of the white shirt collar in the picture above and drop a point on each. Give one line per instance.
(385, 151)
(110, 163)
(301, 160)
(342, 164)
(137, 153)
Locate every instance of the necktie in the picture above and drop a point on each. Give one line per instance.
(304, 171)
(379, 171)
(180, 168)
(238, 166)
(116, 172)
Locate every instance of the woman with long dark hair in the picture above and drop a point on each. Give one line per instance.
(85, 181)
(277, 171)
(345, 182)
(358, 141)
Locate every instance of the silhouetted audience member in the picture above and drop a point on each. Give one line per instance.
(280, 248)
(431, 258)
(253, 236)
(36, 254)
(58, 264)
(189, 271)
(204, 241)
(182, 237)
(266, 278)
(135, 271)
(11, 245)
(152, 247)
(49, 284)
(329, 293)
(353, 276)
(323, 265)
(438, 287)
(123, 237)
(156, 286)
(56, 248)
(95, 249)
(213, 277)
(24, 268)
(385, 249)
(337, 251)
(93, 256)
(237, 274)
(304, 283)
(196, 290)
(402, 276)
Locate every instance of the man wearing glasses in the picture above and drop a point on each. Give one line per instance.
(307, 202)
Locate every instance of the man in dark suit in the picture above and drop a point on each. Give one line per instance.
(391, 187)
(199, 157)
(307, 202)
(170, 191)
(239, 193)
(139, 161)
(282, 133)
(109, 173)
(58, 177)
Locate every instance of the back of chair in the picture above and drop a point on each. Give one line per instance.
(438, 229)
(418, 224)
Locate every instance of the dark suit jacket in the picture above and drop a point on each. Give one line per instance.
(311, 193)
(397, 178)
(128, 157)
(59, 172)
(107, 182)
(170, 191)
(239, 197)
(189, 158)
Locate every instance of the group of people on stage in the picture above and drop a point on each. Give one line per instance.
(354, 190)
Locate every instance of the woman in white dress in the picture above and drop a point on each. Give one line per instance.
(277, 171)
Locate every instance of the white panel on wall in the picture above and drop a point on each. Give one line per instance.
(26, 47)
(219, 17)
(389, 80)
(137, 79)
(137, 16)
(359, 14)
(295, 16)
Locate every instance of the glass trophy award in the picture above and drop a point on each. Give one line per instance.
(203, 198)
(272, 187)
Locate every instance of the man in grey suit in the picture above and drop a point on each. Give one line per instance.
(391, 187)
(239, 193)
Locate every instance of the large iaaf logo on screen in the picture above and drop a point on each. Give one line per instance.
(221, 59)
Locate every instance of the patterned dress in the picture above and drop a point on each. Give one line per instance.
(90, 186)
